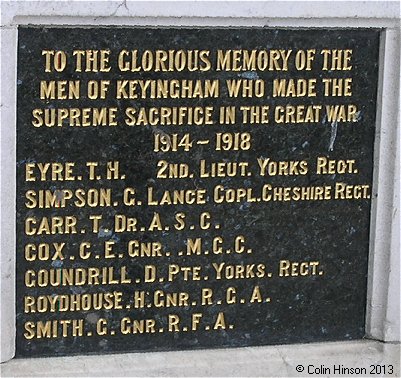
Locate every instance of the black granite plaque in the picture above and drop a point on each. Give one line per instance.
(192, 188)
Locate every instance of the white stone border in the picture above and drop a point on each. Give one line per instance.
(383, 301)
(383, 304)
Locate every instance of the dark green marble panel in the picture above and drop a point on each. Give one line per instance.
(268, 271)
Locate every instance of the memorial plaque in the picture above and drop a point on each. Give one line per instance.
(192, 188)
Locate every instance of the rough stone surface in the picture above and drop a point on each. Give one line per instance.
(277, 361)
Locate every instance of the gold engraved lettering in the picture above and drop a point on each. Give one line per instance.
(194, 246)
(173, 323)
(304, 59)
(176, 299)
(245, 88)
(108, 249)
(51, 226)
(229, 272)
(337, 87)
(336, 60)
(129, 197)
(84, 250)
(54, 328)
(61, 117)
(220, 322)
(49, 171)
(348, 192)
(217, 248)
(270, 167)
(158, 89)
(168, 170)
(92, 60)
(196, 317)
(254, 60)
(331, 167)
(76, 277)
(73, 302)
(342, 113)
(60, 90)
(297, 114)
(206, 297)
(150, 273)
(112, 170)
(305, 193)
(165, 116)
(44, 251)
(59, 61)
(95, 222)
(46, 199)
(204, 223)
(231, 295)
(165, 61)
(255, 114)
(222, 194)
(256, 296)
(123, 223)
(186, 272)
(139, 299)
(177, 197)
(101, 327)
(293, 269)
(135, 326)
(233, 141)
(223, 169)
(294, 88)
(144, 249)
